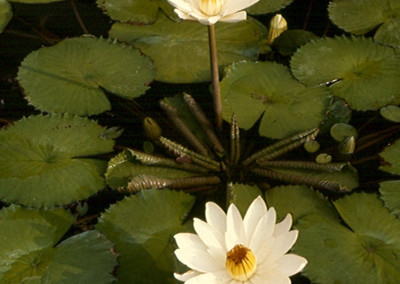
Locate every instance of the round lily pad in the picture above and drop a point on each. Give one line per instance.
(45, 160)
(341, 131)
(5, 14)
(267, 6)
(390, 194)
(311, 146)
(69, 76)
(142, 11)
(391, 157)
(31, 251)
(180, 51)
(269, 88)
(142, 227)
(364, 251)
(366, 15)
(364, 73)
(391, 113)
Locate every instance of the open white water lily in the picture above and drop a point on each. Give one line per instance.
(208, 12)
(229, 249)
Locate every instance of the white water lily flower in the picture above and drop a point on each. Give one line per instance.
(208, 12)
(229, 249)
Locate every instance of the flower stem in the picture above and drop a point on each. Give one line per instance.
(215, 76)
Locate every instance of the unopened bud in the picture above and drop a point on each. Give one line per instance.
(151, 128)
(277, 26)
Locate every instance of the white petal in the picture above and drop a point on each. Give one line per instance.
(183, 15)
(219, 277)
(274, 277)
(190, 241)
(216, 217)
(290, 264)
(187, 275)
(209, 20)
(282, 245)
(237, 5)
(197, 260)
(263, 231)
(284, 226)
(234, 231)
(181, 5)
(256, 211)
(236, 17)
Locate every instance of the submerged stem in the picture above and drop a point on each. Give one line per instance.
(215, 76)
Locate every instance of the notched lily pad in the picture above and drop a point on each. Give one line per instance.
(31, 249)
(390, 194)
(45, 160)
(269, 89)
(242, 195)
(69, 76)
(359, 70)
(362, 16)
(267, 6)
(142, 227)
(391, 157)
(391, 113)
(341, 131)
(366, 249)
(180, 51)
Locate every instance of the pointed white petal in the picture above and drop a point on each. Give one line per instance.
(232, 7)
(181, 5)
(187, 275)
(218, 277)
(234, 231)
(290, 264)
(263, 231)
(190, 241)
(256, 211)
(216, 217)
(236, 17)
(284, 226)
(274, 276)
(197, 260)
(282, 245)
(183, 15)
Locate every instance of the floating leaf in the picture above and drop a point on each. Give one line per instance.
(142, 11)
(69, 76)
(142, 227)
(338, 112)
(362, 16)
(30, 251)
(35, 1)
(363, 72)
(180, 50)
(364, 251)
(5, 14)
(290, 40)
(300, 201)
(391, 113)
(341, 131)
(267, 6)
(311, 146)
(242, 195)
(390, 194)
(45, 160)
(269, 88)
(391, 156)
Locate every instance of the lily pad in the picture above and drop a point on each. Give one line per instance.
(290, 40)
(391, 157)
(242, 195)
(363, 72)
(69, 76)
(391, 113)
(180, 51)
(361, 16)
(341, 131)
(269, 88)
(267, 6)
(35, 1)
(390, 194)
(5, 14)
(30, 250)
(142, 11)
(45, 160)
(364, 251)
(142, 227)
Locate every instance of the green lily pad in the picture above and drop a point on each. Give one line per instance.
(364, 251)
(269, 88)
(130, 163)
(142, 227)
(391, 113)
(5, 14)
(45, 160)
(290, 40)
(35, 1)
(242, 195)
(366, 15)
(364, 73)
(142, 11)
(180, 51)
(30, 250)
(390, 194)
(69, 76)
(300, 201)
(341, 131)
(267, 6)
(391, 157)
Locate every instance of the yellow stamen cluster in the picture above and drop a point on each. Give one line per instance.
(240, 263)
(211, 7)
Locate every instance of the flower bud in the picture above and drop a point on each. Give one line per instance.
(151, 128)
(277, 26)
